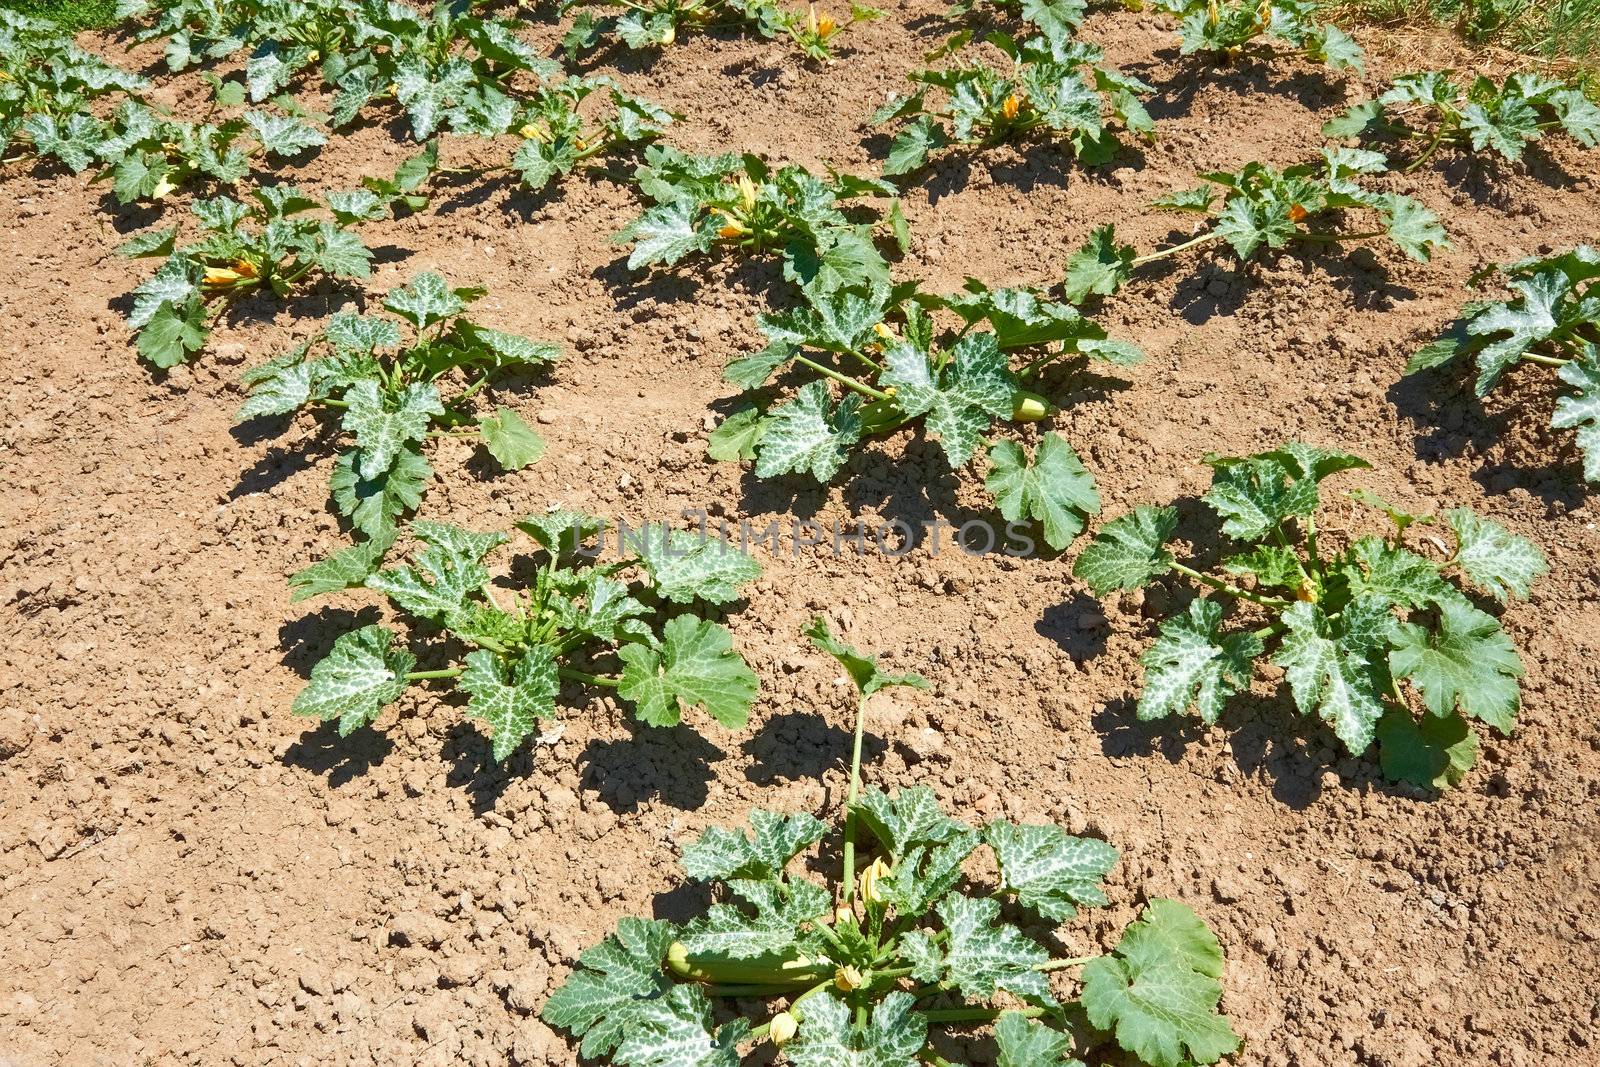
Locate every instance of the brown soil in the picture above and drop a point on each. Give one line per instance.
(190, 875)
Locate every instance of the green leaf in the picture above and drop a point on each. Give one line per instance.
(1435, 753)
(509, 349)
(386, 423)
(1257, 495)
(1272, 566)
(665, 234)
(753, 371)
(960, 399)
(343, 570)
(510, 440)
(1100, 267)
(808, 435)
(926, 873)
(427, 300)
(1582, 411)
(361, 675)
(449, 571)
(1129, 551)
(1050, 871)
(695, 665)
(362, 333)
(561, 531)
(1056, 491)
(1314, 462)
(1354, 122)
(909, 819)
(892, 1037)
(1024, 1042)
(725, 855)
(840, 258)
(1415, 228)
(511, 701)
(862, 668)
(1194, 664)
(911, 146)
(174, 333)
(1332, 665)
(1493, 558)
(686, 566)
(1336, 48)
(1523, 322)
(677, 1030)
(372, 504)
(770, 931)
(338, 252)
(1468, 664)
(601, 999)
(1395, 573)
(281, 135)
(176, 282)
(735, 438)
(980, 954)
(1159, 991)
(1247, 224)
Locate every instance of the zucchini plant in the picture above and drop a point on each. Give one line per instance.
(573, 620)
(893, 367)
(148, 154)
(1553, 323)
(1431, 110)
(1058, 21)
(1228, 28)
(46, 85)
(1347, 627)
(556, 137)
(701, 203)
(427, 61)
(871, 969)
(1052, 89)
(268, 243)
(387, 394)
(655, 24)
(1260, 207)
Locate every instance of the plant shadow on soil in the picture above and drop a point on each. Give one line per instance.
(1218, 284)
(1452, 423)
(320, 749)
(283, 461)
(1179, 80)
(796, 746)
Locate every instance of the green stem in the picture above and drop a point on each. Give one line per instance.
(1546, 361)
(843, 379)
(1427, 153)
(1231, 589)
(754, 990)
(850, 803)
(424, 676)
(1059, 965)
(467, 393)
(1206, 238)
(976, 1015)
(588, 679)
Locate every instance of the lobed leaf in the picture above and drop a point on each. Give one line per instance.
(361, 675)
(694, 666)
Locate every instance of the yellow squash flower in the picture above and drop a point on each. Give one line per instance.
(871, 890)
(783, 1027)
